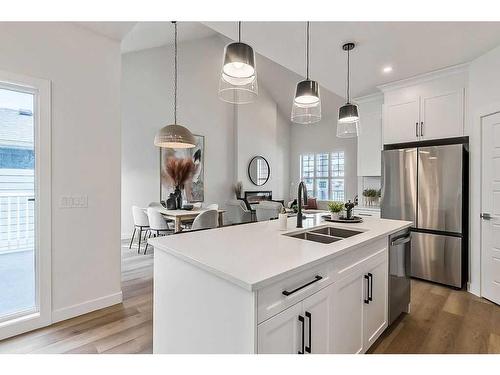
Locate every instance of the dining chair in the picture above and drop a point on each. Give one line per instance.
(206, 220)
(237, 212)
(157, 224)
(213, 206)
(160, 207)
(141, 222)
(268, 210)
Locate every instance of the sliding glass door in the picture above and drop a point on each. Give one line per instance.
(24, 204)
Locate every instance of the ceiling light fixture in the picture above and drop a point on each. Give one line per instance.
(348, 124)
(306, 108)
(175, 135)
(238, 82)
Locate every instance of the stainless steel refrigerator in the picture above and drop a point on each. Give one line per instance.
(427, 183)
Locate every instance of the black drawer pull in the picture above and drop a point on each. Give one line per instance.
(301, 319)
(308, 348)
(370, 296)
(316, 278)
(367, 300)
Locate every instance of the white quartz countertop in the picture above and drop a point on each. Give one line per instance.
(257, 254)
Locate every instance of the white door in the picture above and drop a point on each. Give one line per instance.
(347, 314)
(442, 115)
(317, 311)
(282, 334)
(375, 312)
(25, 204)
(401, 121)
(490, 208)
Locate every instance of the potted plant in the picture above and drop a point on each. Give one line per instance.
(335, 209)
(371, 196)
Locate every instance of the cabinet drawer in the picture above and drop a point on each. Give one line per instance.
(367, 213)
(271, 300)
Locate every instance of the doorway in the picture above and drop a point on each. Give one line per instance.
(25, 208)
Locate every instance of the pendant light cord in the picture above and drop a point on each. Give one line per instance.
(239, 31)
(348, 76)
(175, 71)
(307, 51)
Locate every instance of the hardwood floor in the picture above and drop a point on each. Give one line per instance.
(442, 320)
(123, 328)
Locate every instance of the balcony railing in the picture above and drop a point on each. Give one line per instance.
(17, 221)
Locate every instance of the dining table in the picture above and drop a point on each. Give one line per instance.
(178, 216)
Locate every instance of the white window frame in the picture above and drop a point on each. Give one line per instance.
(41, 89)
(330, 176)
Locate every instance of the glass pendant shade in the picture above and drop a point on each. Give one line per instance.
(174, 136)
(306, 107)
(348, 129)
(238, 82)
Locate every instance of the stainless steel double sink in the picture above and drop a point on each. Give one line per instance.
(324, 234)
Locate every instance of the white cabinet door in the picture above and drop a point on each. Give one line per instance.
(375, 312)
(317, 311)
(347, 314)
(401, 121)
(281, 334)
(442, 115)
(370, 144)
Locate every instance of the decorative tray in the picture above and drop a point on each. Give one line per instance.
(355, 219)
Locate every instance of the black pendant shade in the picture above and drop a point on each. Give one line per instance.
(348, 113)
(306, 106)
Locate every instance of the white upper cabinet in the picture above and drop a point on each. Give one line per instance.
(442, 115)
(428, 107)
(370, 135)
(401, 121)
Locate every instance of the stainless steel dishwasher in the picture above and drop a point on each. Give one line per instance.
(399, 274)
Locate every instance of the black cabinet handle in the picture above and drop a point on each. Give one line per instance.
(309, 316)
(370, 282)
(316, 278)
(416, 129)
(367, 300)
(422, 129)
(301, 319)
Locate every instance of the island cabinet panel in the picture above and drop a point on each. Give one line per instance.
(304, 328)
(375, 312)
(348, 314)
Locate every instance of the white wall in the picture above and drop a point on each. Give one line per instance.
(84, 69)
(484, 98)
(322, 137)
(263, 130)
(147, 105)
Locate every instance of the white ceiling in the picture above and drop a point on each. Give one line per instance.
(411, 48)
(136, 36)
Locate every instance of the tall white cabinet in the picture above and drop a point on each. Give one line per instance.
(424, 108)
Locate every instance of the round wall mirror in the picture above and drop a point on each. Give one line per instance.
(258, 170)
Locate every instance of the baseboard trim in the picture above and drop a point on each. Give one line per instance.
(86, 307)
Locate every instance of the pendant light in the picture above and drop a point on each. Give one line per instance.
(175, 135)
(238, 81)
(306, 107)
(348, 124)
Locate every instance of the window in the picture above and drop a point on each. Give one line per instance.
(323, 175)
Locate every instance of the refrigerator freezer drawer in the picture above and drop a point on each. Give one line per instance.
(437, 258)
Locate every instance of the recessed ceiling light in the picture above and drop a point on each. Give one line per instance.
(387, 69)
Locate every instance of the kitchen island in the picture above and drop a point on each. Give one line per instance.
(255, 289)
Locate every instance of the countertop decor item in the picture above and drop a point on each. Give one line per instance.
(238, 188)
(348, 124)
(342, 219)
(335, 209)
(187, 207)
(306, 108)
(238, 82)
(371, 197)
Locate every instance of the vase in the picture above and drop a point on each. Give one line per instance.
(334, 215)
(178, 197)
